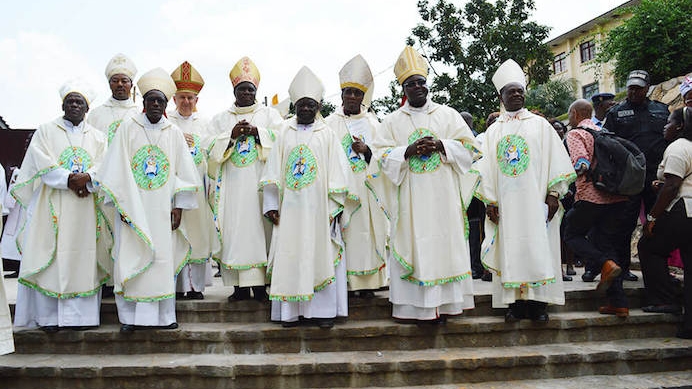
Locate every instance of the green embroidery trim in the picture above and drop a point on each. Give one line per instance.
(197, 155)
(58, 295)
(366, 272)
(530, 284)
(379, 202)
(112, 129)
(20, 185)
(258, 265)
(128, 220)
(272, 135)
(296, 298)
(423, 163)
(513, 155)
(244, 152)
(186, 261)
(487, 250)
(301, 168)
(354, 160)
(146, 299)
(150, 167)
(75, 159)
(568, 177)
(440, 281)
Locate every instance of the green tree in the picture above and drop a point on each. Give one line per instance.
(466, 46)
(327, 108)
(552, 98)
(388, 104)
(656, 39)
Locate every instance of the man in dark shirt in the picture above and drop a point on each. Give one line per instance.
(641, 121)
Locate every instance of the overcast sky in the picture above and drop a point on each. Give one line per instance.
(44, 43)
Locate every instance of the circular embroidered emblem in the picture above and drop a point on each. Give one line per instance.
(244, 151)
(423, 163)
(194, 149)
(150, 167)
(357, 164)
(112, 129)
(301, 168)
(75, 159)
(512, 155)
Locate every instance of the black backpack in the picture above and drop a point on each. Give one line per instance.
(618, 166)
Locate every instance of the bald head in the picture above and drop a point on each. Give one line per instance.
(578, 111)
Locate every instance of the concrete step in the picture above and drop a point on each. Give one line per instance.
(667, 380)
(216, 309)
(359, 335)
(396, 368)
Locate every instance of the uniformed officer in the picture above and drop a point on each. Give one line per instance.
(641, 121)
(601, 104)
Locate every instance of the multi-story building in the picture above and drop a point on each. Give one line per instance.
(574, 53)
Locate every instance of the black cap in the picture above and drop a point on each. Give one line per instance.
(638, 78)
(601, 97)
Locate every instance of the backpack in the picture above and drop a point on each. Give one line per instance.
(619, 167)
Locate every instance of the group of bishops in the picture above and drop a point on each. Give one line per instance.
(302, 211)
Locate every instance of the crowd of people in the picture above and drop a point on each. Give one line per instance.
(307, 211)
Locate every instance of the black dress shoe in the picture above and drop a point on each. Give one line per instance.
(631, 277)
(541, 318)
(180, 295)
(240, 294)
(487, 276)
(290, 324)
(127, 328)
(570, 271)
(510, 317)
(192, 295)
(259, 293)
(325, 323)
(566, 278)
(49, 329)
(663, 308)
(588, 276)
(476, 274)
(171, 326)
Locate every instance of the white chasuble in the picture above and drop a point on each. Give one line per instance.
(146, 170)
(431, 271)
(6, 339)
(236, 165)
(364, 231)
(199, 223)
(108, 117)
(523, 160)
(309, 169)
(64, 241)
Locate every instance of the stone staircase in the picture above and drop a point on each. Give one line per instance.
(222, 345)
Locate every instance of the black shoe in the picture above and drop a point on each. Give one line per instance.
(570, 271)
(631, 277)
(192, 295)
(566, 278)
(663, 308)
(538, 311)
(180, 295)
(290, 324)
(49, 329)
(476, 274)
(510, 317)
(240, 294)
(325, 323)
(171, 326)
(259, 293)
(14, 274)
(82, 328)
(366, 294)
(127, 328)
(487, 276)
(588, 276)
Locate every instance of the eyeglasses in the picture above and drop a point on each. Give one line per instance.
(688, 101)
(415, 83)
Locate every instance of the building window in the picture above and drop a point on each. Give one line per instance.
(588, 51)
(589, 90)
(560, 63)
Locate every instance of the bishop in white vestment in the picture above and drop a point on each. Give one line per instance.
(150, 177)
(6, 339)
(426, 151)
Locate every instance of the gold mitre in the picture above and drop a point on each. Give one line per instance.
(356, 74)
(157, 79)
(245, 70)
(187, 78)
(410, 63)
(306, 84)
(121, 64)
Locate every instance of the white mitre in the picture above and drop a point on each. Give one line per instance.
(78, 86)
(508, 72)
(306, 84)
(356, 74)
(121, 64)
(157, 79)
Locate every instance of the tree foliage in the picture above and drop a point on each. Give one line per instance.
(466, 46)
(656, 39)
(552, 98)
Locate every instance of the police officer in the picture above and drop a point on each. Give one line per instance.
(641, 121)
(601, 104)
